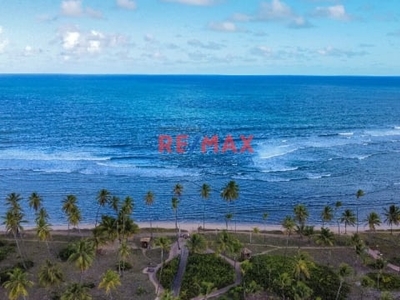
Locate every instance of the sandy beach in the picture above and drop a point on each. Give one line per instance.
(194, 226)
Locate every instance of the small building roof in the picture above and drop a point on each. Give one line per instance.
(145, 239)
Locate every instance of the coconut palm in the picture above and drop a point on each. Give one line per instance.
(392, 216)
(326, 238)
(380, 264)
(178, 190)
(76, 291)
(344, 271)
(35, 201)
(124, 252)
(230, 193)
(124, 216)
(348, 218)
(74, 217)
(18, 284)
(197, 243)
(82, 254)
(103, 198)
(359, 194)
(68, 206)
(12, 222)
(109, 282)
(283, 282)
(114, 204)
(149, 201)
(301, 215)
(205, 194)
(338, 204)
(372, 221)
(228, 218)
(288, 224)
(165, 244)
(206, 288)
(43, 231)
(13, 202)
(175, 205)
(50, 274)
(326, 214)
(302, 266)
(42, 214)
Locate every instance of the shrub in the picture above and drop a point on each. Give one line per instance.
(387, 281)
(65, 253)
(25, 265)
(168, 273)
(124, 265)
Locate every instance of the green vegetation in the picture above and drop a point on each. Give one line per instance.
(205, 268)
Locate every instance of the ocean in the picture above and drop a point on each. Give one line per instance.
(311, 140)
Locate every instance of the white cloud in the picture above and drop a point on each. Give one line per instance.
(3, 43)
(30, 51)
(276, 10)
(96, 14)
(70, 40)
(76, 43)
(194, 2)
(336, 12)
(300, 22)
(126, 4)
(209, 45)
(332, 51)
(262, 50)
(223, 26)
(71, 8)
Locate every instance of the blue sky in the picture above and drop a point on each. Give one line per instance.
(311, 37)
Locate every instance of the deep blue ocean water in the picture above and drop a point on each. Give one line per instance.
(316, 140)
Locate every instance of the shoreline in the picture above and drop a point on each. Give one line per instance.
(194, 226)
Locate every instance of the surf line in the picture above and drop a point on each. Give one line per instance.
(181, 145)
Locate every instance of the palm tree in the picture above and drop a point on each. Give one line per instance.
(348, 218)
(230, 193)
(326, 214)
(68, 206)
(302, 266)
(338, 205)
(245, 267)
(124, 252)
(228, 218)
(175, 205)
(178, 190)
(12, 222)
(380, 264)
(344, 271)
(43, 231)
(283, 281)
(205, 194)
(197, 243)
(149, 201)
(392, 216)
(35, 201)
(288, 224)
(301, 215)
(75, 217)
(359, 194)
(124, 215)
(206, 288)
(114, 204)
(103, 198)
(165, 244)
(326, 238)
(18, 284)
(13, 202)
(83, 254)
(372, 221)
(76, 291)
(109, 281)
(50, 274)
(42, 214)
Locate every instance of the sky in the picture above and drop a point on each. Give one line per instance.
(249, 37)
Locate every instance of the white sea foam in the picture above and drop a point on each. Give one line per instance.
(346, 133)
(43, 155)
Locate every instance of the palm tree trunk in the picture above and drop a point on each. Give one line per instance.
(19, 249)
(340, 287)
(97, 216)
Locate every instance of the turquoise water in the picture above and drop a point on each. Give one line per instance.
(316, 140)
